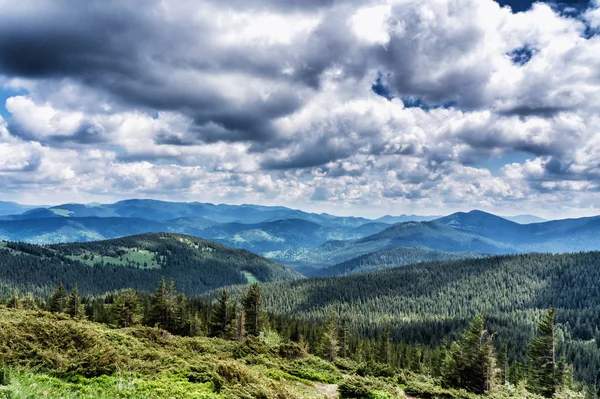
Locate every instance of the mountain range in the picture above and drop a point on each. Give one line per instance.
(307, 241)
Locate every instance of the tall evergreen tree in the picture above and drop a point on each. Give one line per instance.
(252, 304)
(240, 324)
(344, 338)
(195, 325)
(126, 310)
(470, 364)
(74, 308)
(160, 306)
(58, 300)
(385, 346)
(541, 358)
(329, 347)
(222, 317)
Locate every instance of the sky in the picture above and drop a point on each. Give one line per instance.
(364, 107)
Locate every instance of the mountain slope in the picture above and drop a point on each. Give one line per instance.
(11, 208)
(427, 303)
(138, 262)
(388, 259)
(62, 229)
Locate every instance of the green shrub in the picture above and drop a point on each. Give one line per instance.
(251, 346)
(313, 369)
(369, 388)
(292, 351)
(374, 369)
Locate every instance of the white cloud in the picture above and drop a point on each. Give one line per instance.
(269, 103)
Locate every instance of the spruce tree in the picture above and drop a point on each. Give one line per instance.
(221, 317)
(344, 338)
(160, 307)
(74, 308)
(470, 364)
(240, 324)
(541, 358)
(328, 348)
(126, 309)
(58, 300)
(195, 325)
(385, 346)
(252, 304)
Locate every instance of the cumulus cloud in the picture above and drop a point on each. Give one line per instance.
(384, 103)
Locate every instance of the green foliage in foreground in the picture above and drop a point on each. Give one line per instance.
(51, 355)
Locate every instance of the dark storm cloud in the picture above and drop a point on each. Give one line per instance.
(525, 110)
(127, 50)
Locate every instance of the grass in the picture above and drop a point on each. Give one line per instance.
(61, 212)
(140, 257)
(251, 278)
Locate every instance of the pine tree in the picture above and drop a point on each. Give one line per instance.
(74, 308)
(328, 347)
(252, 304)
(470, 364)
(180, 316)
(385, 346)
(160, 307)
(344, 338)
(14, 302)
(240, 324)
(195, 325)
(221, 317)
(541, 358)
(126, 309)
(58, 300)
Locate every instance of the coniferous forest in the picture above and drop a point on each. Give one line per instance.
(505, 325)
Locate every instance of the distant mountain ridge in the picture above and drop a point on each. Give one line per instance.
(472, 232)
(162, 211)
(11, 208)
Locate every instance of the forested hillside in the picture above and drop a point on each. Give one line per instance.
(428, 303)
(137, 262)
(388, 259)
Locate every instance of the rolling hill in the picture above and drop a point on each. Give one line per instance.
(137, 262)
(388, 259)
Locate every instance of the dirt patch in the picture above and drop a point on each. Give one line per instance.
(329, 391)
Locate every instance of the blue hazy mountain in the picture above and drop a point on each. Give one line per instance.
(257, 237)
(163, 211)
(12, 208)
(474, 232)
